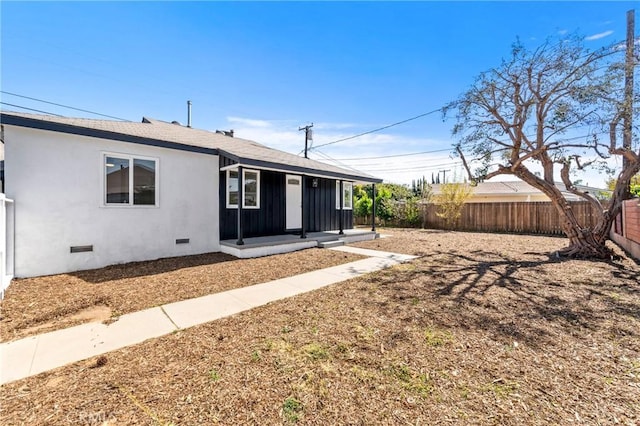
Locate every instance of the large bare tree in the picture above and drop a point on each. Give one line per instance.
(560, 106)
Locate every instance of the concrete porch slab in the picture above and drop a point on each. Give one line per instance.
(329, 244)
(266, 250)
(277, 244)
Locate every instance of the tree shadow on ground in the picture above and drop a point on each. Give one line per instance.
(150, 267)
(532, 299)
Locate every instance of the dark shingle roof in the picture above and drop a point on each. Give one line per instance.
(174, 136)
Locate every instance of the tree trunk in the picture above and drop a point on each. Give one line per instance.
(584, 242)
(585, 245)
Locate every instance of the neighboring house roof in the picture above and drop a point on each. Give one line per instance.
(174, 136)
(521, 189)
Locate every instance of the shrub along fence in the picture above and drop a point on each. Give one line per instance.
(524, 217)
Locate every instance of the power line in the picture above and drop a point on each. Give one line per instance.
(443, 150)
(378, 129)
(328, 157)
(391, 170)
(423, 167)
(61, 105)
(396, 155)
(454, 162)
(451, 163)
(407, 163)
(417, 169)
(29, 109)
(426, 113)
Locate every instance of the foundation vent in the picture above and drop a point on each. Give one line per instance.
(81, 249)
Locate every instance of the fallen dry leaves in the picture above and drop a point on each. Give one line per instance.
(482, 329)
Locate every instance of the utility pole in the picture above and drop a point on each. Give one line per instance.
(628, 93)
(444, 175)
(308, 136)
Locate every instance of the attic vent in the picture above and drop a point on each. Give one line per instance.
(225, 132)
(182, 241)
(176, 122)
(80, 249)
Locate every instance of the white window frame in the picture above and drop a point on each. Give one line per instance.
(130, 158)
(346, 186)
(244, 199)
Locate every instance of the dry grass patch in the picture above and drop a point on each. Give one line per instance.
(466, 334)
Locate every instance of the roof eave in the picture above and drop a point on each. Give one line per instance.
(34, 123)
(262, 164)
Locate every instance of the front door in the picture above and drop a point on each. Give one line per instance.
(294, 202)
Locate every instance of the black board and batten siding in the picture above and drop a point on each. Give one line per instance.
(267, 220)
(320, 213)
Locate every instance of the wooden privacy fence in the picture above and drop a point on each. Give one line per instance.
(519, 217)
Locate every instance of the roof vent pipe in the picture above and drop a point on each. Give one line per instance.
(188, 113)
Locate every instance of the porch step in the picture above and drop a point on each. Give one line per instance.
(329, 244)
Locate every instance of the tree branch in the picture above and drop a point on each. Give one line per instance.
(465, 164)
(501, 171)
(529, 155)
(564, 174)
(613, 144)
(498, 142)
(567, 126)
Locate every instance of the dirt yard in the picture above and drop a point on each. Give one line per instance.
(482, 329)
(37, 305)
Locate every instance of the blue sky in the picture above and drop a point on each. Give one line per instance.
(266, 68)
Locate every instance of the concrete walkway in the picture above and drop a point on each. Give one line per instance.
(33, 355)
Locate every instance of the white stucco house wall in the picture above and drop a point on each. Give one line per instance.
(91, 193)
(61, 205)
